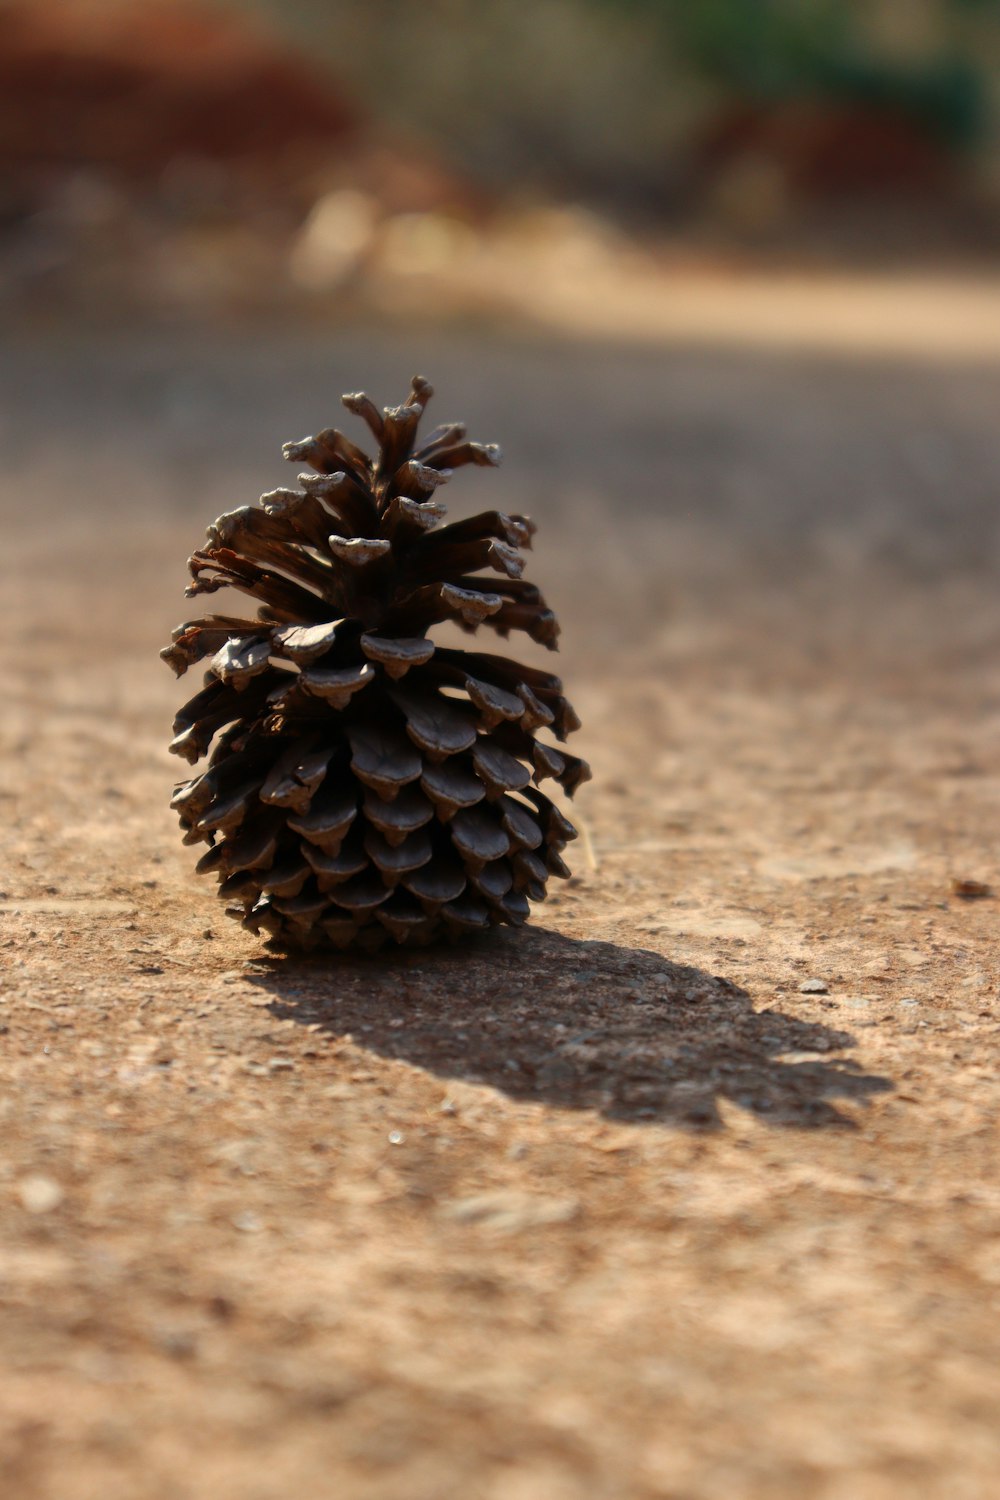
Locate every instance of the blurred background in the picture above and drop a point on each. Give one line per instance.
(317, 157)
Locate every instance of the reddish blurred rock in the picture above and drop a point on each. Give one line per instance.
(825, 149)
(127, 89)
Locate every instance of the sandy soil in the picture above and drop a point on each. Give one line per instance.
(688, 1191)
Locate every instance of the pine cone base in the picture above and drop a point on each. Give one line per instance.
(365, 786)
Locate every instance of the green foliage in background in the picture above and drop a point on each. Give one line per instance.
(765, 48)
(773, 49)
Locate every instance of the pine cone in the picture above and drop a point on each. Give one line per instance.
(365, 784)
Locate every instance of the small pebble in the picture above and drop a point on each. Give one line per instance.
(280, 1064)
(971, 890)
(813, 987)
(177, 1343)
(396, 1137)
(39, 1195)
(247, 1223)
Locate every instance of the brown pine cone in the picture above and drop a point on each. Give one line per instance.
(365, 784)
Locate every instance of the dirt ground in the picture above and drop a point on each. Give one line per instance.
(686, 1192)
